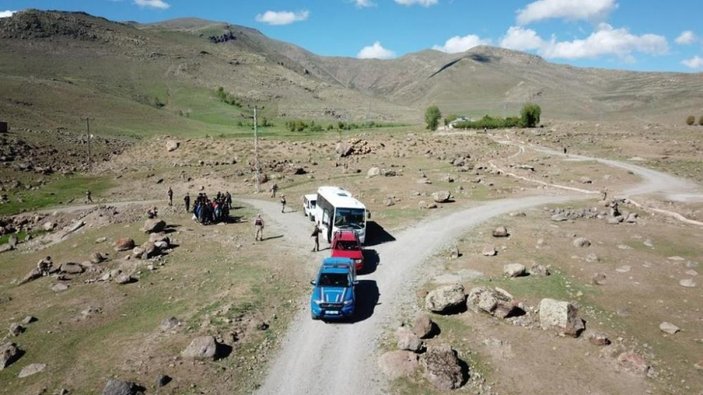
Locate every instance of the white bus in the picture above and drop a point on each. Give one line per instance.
(336, 210)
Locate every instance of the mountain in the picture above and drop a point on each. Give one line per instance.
(59, 67)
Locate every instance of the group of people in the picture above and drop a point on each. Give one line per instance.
(210, 211)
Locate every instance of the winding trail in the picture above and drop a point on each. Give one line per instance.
(317, 358)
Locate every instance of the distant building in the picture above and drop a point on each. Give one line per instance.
(3, 127)
(459, 120)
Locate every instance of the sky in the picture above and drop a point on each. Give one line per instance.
(642, 35)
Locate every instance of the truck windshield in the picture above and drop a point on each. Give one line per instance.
(333, 280)
(347, 245)
(350, 217)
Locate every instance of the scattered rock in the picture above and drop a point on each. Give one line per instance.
(539, 270)
(96, 257)
(442, 367)
(119, 387)
(454, 252)
(373, 172)
(560, 315)
(688, 283)
(124, 244)
(29, 319)
(396, 364)
(592, 257)
(203, 347)
(170, 323)
(623, 269)
(9, 353)
(489, 250)
(154, 225)
(31, 369)
(514, 270)
(445, 298)
(172, 145)
(100, 240)
(124, 278)
(59, 287)
(71, 268)
(423, 325)
(599, 278)
(407, 340)
(633, 362)
(163, 380)
(441, 196)
(599, 339)
(16, 329)
(581, 242)
(500, 231)
(496, 302)
(48, 226)
(669, 328)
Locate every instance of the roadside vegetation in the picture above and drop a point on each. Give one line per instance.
(529, 118)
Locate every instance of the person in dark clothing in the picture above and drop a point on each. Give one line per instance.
(170, 196)
(283, 203)
(316, 237)
(228, 200)
(186, 201)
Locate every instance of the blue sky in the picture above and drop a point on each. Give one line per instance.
(647, 35)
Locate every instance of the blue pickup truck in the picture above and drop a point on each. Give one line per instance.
(334, 296)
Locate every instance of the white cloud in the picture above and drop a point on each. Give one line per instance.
(687, 37)
(591, 10)
(424, 3)
(375, 51)
(158, 4)
(695, 62)
(364, 3)
(461, 44)
(282, 17)
(606, 41)
(522, 39)
(6, 14)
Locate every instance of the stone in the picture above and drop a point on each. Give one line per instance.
(159, 237)
(669, 328)
(48, 226)
(581, 242)
(688, 283)
(500, 231)
(12, 241)
(150, 249)
(454, 252)
(441, 196)
(16, 329)
(422, 325)
(59, 287)
(161, 245)
(407, 340)
(633, 362)
(9, 353)
(124, 278)
(31, 369)
(489, 250)
(343, 149)
(154, 225)
(119, 387)
(442, 367)
(539, 270)
(592, 257)
(559, 217)
(560, 315)
(29, 319)
(137, 252)
(203, 347)
(96, 257)
(31, 276)
(631, 218)
(514, 270)
(124, 244)
(172, 145)
(71, 268)
(599, 278)
(373, 172)
(397, 364)
(163, 380)
(599, 339)
(169, 323)
(445, 298)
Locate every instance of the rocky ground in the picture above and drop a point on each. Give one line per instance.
(201, 309)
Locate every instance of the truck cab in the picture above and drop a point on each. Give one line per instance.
(334, 293)
(309, 205)
(346, 244)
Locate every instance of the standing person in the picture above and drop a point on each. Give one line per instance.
(170, 196)
(88, 198)
(259, 225)
(316, 237)
(283, 203)
(274, 188)
(186, 200)
(228, 200)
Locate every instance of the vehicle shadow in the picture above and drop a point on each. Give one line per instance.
(367, 297)
(371, 261)
(375, 234)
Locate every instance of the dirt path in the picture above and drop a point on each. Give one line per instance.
(341, 358)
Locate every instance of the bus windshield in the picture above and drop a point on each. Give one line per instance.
(349, 217)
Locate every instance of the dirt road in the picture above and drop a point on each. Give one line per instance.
(321, 358)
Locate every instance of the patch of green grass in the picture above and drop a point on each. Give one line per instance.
(60, 191)
(555, 286)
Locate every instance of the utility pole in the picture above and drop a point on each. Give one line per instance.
(90, 159)
(256, 153)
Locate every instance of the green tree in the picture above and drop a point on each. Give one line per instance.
(432, 117)
(690, 120)
(529, 115)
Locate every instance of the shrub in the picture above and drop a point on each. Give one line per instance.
(700, 120)
(529, 115)
(690, 120)
(432, 117)
(449, 119)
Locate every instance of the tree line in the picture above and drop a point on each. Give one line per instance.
(529, 118)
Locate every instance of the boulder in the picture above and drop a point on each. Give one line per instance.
(154, 225)
(31, 276)
(169, 323)
(445, 298)
(560, 315)
(150, 249)
(96, 257)
(124, 244)
(48, 226)
(124, 278)
(159, 237)
(633, 362)
(500, 231)
(599, 339)
(441, 196)
(407, 340)
(31, 369)
(442, 367)
(669, 328)
(343, 149)
(137, 252)
(496, 302)
(599, 278)
(422, 325)
(539, 270)
(9, 353)
(16, 329)
(581, 242)
(119, 387)
(203, 347)
(489, 250)
(172, 145)
(71, 268)
(514, 270)
(396, 364)
(59, 287)
(373, 172)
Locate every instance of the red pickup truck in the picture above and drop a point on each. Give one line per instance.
(346, 244)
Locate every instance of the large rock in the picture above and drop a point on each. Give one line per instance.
(500, 231)
(669, 328)
(445, 298)
(124, 244)
(16, 329)
(96, 257)
(59, 287)
(422, 325)
(71, 268)
(31, 369)
(203, 347)
(9, 353)
(560, 315)
(172, 145)
(373, 172)
(581, 242)
(496, 302)
(154, 225)
(441, 196)
(119, 387)
(150, 250)
(407, 340)
(514, 270)
(396, 364)
(124, 278)
(159, 237)
(442, 368)
(633, 362)
(343, 149)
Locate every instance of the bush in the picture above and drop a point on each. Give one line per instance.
(529, 115)
(432, 117)
(700, 120)
(690, 120)
(449, 119)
